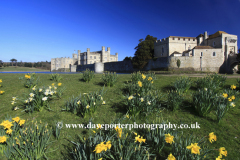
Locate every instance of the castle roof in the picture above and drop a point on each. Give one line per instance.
(200, 35)
(181, 37)
(203, 47)
(218, 33)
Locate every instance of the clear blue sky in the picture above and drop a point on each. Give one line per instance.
(38, 30)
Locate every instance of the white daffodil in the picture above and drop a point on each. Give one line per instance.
(16, 108)
(31, 95)
(51, 92)
(50, 87)
(55, 87)
(94, 103)
(44, 98)
(46, 93)
(142, 99)
(103, 102)
(87, 106)
(14, 98)
(79, 102)
(40, 90)
(12, 102)
(205, 89)
(149, 103)
(130, 97)
(232, 104)
(30, 99)
(26, 101)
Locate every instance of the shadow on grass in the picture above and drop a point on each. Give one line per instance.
(167, 88)
(99, 84)
(120, 107)
(68, 149)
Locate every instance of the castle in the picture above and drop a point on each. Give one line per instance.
(84, 59)
(202, 53)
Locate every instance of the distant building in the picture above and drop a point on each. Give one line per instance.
(83, 59)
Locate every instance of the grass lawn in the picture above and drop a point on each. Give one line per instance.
(227, 131)
(16, 69)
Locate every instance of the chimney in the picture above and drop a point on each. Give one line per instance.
(205, 35)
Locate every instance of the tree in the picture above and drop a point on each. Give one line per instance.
(13, 60)
(127, 58)
(1, 63)
(144, 52)
(178, 63)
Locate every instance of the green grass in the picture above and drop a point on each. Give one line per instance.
(16, 69)
(226, 131)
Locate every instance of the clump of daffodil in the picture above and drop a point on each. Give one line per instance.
(194, 148)
(27, 76)
(143, 76)
(149, 78)
(169, 138)
(212, 137)
(130, 97)
(232, 104)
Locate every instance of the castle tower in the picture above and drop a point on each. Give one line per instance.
(87, 56)
(116, 55)
(103, 54)
(79, 62)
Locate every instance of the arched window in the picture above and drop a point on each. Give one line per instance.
(214, 53)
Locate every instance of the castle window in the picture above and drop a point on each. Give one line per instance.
(110, 58)
(214, 54)
(184, 39)
(214, 43)
(173, 38)
(189, 47)
(201, 53)
(94, 57)
(105, 58)
(94, 61)
(189, 39)
(193, 39)
(193, 52)
(90, 62)
(90, 57)
(178, 38)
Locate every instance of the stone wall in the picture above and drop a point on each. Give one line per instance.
(120, 66)
(81, 68)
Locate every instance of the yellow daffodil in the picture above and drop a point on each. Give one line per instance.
(9, 131)
(169, 138)
(52, 84)
(119, 131)
(127, 116)
(99, 126)
(94, 132)
(222, 151)
(212, 137)
(140, 83)
(171, 157)
(100, 159)
(21, 122)
(194, 148)
(16, 119)
(3, 139)
(230, 99)
(143, 76)
(233, 87)
(108, 144)
(59, 84)
(219, 157)
(225, 95)
(139, 139)
(130, 97)
(1, 92)
(233, 97)
(6, 124)
(0, 80)
(152, 82)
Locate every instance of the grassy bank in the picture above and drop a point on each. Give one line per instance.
(227, 131)
(18, 69)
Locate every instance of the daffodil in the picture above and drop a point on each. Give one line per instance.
(52, 84)
(1, 92)
(59, 84)
(233, 97)
(143, 76)
(14, 98)
(233, 87)
(26, 101)
(171, 157)
(99, 126)
(103, 102)
(169, 138)
(130, 97)
(139, 139)
(230, 99)
(13, 102)
(78, 102)
(16, 119)
(140, 83)
(149, 103)
(3, 139)
(222, 151)
(149, 78)
(40, 90)
(232, 104)
(30, 99)
(87, 106)
(212, 137)
(6, 124)
(21, 122)
(9, 131)
(0, 80)
(225, 95)
(194, 148)
(31, 95)
(44, 98)
(142, 99)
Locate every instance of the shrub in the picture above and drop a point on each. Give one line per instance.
(88, 75)
(55, 77)
(182, 84)
(109, 79)
(31, 80)
(178, 63)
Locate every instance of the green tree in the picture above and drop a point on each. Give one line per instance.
(178, 63)
(13, 60)
(144, 52)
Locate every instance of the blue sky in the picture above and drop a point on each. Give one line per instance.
(38, 30)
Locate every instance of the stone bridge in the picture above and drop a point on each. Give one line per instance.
(231, 63)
